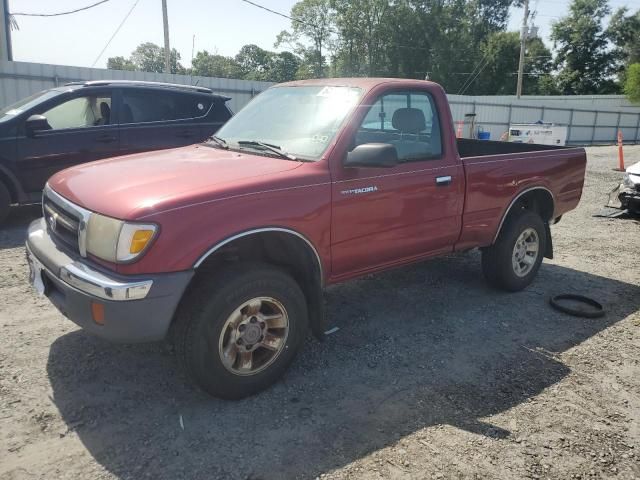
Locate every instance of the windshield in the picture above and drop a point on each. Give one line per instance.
(302, 121)
(20, 106)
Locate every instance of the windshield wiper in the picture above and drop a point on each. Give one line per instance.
(267, 146)
(221, 142)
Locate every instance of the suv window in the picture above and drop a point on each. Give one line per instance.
(146, 106)
(79, 112)
(407, 120)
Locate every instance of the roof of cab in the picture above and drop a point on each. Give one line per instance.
(138, 83)
(366, 83)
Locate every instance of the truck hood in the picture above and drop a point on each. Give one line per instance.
(134, 186)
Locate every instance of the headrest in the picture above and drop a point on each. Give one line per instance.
(409, 120)
(104, 109)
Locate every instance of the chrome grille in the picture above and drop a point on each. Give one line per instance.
(66, 222)
(62, 225)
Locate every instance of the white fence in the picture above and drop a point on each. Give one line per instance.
(590, 119)
(21, 79)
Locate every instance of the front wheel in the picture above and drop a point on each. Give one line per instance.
(237, 333)
(514, 260)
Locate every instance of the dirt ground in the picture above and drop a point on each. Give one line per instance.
(431, 375)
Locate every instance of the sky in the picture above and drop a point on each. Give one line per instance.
(221, 26)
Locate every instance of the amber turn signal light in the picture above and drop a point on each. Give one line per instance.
(97, 312)
(139, 240)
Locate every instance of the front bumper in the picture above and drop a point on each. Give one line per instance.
(136, 308)
(630, 199)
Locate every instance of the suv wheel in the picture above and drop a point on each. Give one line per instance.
(237, 334)
(514, 260)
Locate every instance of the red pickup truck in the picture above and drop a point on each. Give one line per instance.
(226, 246)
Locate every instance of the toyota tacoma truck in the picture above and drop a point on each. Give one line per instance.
(225, 247)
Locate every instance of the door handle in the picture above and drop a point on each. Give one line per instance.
(106, 139)
(443, 181)
(185, 134)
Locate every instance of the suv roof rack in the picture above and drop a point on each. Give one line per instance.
(97, 83)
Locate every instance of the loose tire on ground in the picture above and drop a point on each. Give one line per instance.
(209, 329)
(5, 202)
(503, 265)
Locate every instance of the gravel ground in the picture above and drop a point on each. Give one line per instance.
(430, 375)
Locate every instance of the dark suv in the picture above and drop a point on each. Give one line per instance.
(87, 121)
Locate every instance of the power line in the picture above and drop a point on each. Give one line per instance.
(476, 76)
(23, 14)
(277, 13)
(464, 85)
(116, 32)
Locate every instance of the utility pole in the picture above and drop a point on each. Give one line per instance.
(5, 32)
(523, 44)
(167, 49)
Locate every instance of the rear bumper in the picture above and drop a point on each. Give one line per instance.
(136, 308)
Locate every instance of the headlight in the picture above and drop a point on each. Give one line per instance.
(627, 181)
(118, 241)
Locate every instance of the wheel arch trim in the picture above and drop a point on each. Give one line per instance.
(255, 231)
(513, 202)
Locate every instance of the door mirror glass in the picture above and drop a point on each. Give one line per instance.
(36, 123)
(373, 155)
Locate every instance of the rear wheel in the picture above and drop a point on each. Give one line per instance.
(514, 260)
(238, 333)
(5, 202)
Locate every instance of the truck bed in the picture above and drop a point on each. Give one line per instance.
(497, 172)
(468, 147)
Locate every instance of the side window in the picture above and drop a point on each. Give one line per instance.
(220, 112)
(407, 120)
(157, 106)
(191, 106)
(80, 112)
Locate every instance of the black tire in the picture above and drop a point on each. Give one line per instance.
(202, 316)
(497, 264)
(5, 202)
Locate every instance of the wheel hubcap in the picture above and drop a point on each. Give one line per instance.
(525, 252)
(253, 336)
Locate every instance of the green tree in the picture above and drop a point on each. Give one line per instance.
(206, 64)
(624, 32)
(254, 62)
(313, 20)
(501, 51)
(583, 57)
(440, 39)
(362, 28)
(120, 63)
(283, 67)
(632, 83)
(149, 57)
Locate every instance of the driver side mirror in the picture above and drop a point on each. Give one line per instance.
(373, 155)
(36, 123)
